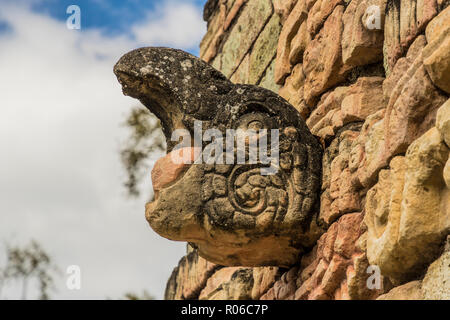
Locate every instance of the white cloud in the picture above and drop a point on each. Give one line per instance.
(175, 25)
(60, 129)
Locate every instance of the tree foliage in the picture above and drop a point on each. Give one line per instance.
(27, 263)
(145, 139)
(134, 296)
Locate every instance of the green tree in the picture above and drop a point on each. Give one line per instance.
(27, 263)
(133, 296)
(145, 139)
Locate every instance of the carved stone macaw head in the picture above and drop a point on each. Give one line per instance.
(234, 212)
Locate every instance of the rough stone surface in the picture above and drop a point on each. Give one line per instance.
(264, 49)
(234, 214)
(382, 218)
(360, 45)
(209, 9)
(443, 122)
(334, 269)
(404, 21)
(411, 106)
(229, 284)
(319, 13)
(322, 60)
(363, 99)
(292, 91)
(346, 105)
(299, 44)
(211, 41)
(283, 8)
(283, 289)
(437, 52)
(329, 102)
(342, 194)
(447, 174)
(242, 73)
(189, 277)
(410, 291)
(436, 283)
(268, 79)
(407, 212)
(290, 27)
(263, 279)
(219, 20)
(243, 33)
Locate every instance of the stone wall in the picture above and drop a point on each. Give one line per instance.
(376, 96)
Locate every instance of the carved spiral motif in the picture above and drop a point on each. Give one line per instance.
(251, 193)
(241, 193)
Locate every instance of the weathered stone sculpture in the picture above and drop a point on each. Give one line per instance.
(233, 213)
(408, 210)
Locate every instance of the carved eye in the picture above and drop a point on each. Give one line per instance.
(255, 125)
(255, 121)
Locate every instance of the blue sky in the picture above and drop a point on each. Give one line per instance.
(60, 135)
(110, 17)
(4, 27)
